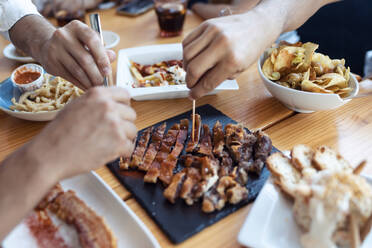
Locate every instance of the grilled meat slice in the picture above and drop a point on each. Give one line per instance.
(226, 165)
(124, 163)
(227, 190)
(174, 188)
(188, 187)
(193, 144)
(91, 228)
(218, 140)
(153, 148)
(190, 160)
(139, 151)
(52, 194)
(165, 148)
(167, 166)
(209, 172)
(205, 146)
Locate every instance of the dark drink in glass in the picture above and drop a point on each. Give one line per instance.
(171, 16)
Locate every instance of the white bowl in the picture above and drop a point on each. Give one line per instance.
(34, 85)
(303, 101)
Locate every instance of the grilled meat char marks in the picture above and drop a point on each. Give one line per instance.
(153, 148)
(165, 148)
(139, 151)
(218, 140)
(167, 166)
(205, 147)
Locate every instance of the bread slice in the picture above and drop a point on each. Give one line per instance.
(327, 159)
(286, 176)
(302, 157)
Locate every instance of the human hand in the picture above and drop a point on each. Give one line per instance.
(91, 131)
(69, 5)
(222, 48)
(64, 54)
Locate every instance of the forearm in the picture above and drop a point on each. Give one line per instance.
(38, 31)
(290, 14)
(24, 180)
(91, 4)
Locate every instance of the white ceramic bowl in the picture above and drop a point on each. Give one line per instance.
(34, 85)
(303, 101)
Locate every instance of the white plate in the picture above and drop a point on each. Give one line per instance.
(110, 38)
(10, 53)
(126, 226)
(270, 223)
(150, 55)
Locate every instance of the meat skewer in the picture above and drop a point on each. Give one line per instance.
(165, 148)
(193, 143)
(167, 166)
(153, 148)
(139, 151)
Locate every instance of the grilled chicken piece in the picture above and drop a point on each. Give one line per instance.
(227, 190)
(165, 148)
(139, 151)
(167, 166)
(192, 145)
(205, 146)
(124, 163)
(191, 181)
(153, 148)
(190, 160)
(218, 140)
(226, 165)
(91, 228)
(174, 188)
(209, 172)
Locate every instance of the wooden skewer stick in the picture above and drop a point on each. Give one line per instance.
(354, 231)
(193, 121)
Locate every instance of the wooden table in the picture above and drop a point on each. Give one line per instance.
(348, 128)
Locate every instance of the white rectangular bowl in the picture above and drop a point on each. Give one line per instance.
(270, 223)
(126, 226)
(151, 55)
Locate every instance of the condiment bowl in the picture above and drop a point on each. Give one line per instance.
(303, 101)
(27, 85)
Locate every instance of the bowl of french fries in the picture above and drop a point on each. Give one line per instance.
(42, 104)
(304, 80)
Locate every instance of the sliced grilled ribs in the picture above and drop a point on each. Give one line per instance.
(139, 151)
(218, 140)
(153, 148)
(188, 187)
(165, 148)
(167, 166)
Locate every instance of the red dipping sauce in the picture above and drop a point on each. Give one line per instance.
(26, 77)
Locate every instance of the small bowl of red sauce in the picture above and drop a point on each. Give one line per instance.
(28, 77)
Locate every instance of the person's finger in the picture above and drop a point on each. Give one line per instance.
(127, 148)
(91, 39)
(126, 112)
(202, 63)
(74, 69)
(129, 129)
(83, 58)
(111, 54)
(117, 94)
(194, 34)
(209, 81)
(198, 45)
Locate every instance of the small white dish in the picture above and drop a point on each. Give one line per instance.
(11, 53)
(111, 39)
(270, 223)
(303, 101)
(150, 55)
(31, 86)
(126, 226)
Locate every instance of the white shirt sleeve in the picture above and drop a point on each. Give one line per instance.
(13, 10)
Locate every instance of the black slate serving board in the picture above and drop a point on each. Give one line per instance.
(180, 221)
